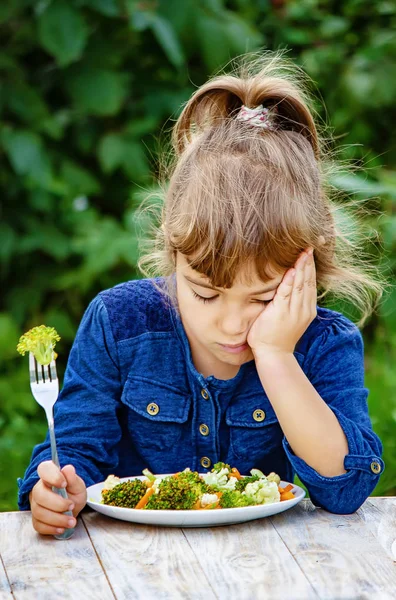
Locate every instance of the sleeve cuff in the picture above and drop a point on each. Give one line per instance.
(371, 464)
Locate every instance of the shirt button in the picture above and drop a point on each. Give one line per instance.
(204, 394)
(375, 467)
(204, 429)
(258, 415)
(152, 408)
(205, 462)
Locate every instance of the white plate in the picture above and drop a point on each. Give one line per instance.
(190, 518)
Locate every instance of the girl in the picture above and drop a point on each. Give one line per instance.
(226, 356)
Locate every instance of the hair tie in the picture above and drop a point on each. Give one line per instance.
(259, 116)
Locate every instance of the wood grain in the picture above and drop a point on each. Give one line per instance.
(249, 561)
(147, 562)
(340, 556)
(43, 568)
(5, 590)
(300, 554)
(379, 515)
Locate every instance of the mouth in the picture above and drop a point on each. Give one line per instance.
(234, 348)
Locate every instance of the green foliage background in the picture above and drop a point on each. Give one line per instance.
(87, 85)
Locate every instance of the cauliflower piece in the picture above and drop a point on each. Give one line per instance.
(207, 499)
(263, 491)
(111, 482)
(220, 480)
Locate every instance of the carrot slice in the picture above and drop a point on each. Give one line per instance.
(213, 505)
(235, 473)
(143, 501)
(288, 488)
(287, 496)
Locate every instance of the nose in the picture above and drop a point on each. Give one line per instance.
(233, 324)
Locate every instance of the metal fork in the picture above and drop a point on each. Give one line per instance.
(44, 384)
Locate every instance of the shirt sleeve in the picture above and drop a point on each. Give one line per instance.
(87, 429)
(335, 367)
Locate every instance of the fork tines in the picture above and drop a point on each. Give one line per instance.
(40, 373)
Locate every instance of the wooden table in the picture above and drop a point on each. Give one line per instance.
(302, 553)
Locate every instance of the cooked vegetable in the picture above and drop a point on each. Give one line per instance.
(126, 494)
(242, 483)
(272, 477)
(263, 491)
(179, 492)
(144, 499)
(40, 341)
(233, 499)
(220, 477)
(223, 487)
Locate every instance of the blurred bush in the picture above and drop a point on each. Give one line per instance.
(87, 85)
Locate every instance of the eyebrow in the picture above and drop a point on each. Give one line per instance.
(209, 287)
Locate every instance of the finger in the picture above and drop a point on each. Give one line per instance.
(50, 474)
(283, 293)
(297, 297)
(55, 519)
(310, 292)
(45, 529)
(45, 497)
(75, 485)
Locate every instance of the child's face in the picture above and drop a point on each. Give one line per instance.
(225, 317)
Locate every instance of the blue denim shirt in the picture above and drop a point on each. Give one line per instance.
(132, 399)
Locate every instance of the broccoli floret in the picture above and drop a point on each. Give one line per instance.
(126, 494)
(40, 341)
(178, 492)
(234, 499)
(242, 483)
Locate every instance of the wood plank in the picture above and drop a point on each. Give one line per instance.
(5, 590)
(45, 568)
(146, 561)
(339, 554)
(379, 514)
(249, 560)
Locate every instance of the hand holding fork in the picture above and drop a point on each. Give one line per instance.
(47, 508)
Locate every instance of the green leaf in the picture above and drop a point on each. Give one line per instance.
(242, 36)
(47, 238)
(8, 241)
(97, 91)
(117, 150)
(358, 185)
(135, 162)
(79, 180)
(111, 152)
(333, 26)
(27, 154)
(9, 336)
(62, 31)
(26, 103)
(109, 8)
(162, 29)
(166, 37)
(214, 42)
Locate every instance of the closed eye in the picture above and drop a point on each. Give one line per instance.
(205, 300)
(202, 298)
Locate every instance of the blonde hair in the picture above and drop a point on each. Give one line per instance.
(235, 194)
